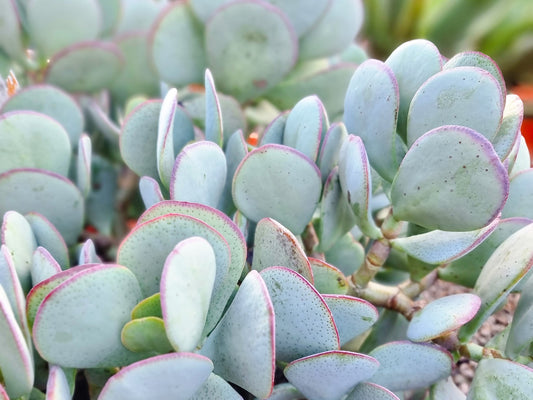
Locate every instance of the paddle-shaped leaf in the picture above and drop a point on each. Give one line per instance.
(17, 236)
(175, 375)
(216, 388)
(213, 114)
(521, 333)
(520, 191)
(497, 378)
(446, 390)
(306, 124)
(285, 391)
(146, 334)
(508, 134)
(88, 254)
(43, 266)
(186, 287)
(440, 247)
(464, 173)
(236, 150)
(412, 63)
(62, 338)
(279, 182)
(330, 375)
(15, 358)
(149, 307)
(48, 237)
(505, 268)
(371, 391)
(199, 174)
(57, 387)
(370, 111)
(304, 324)
(347, 254)
(273, 133)
(442, 316)
(10, 33)
(250, 46)
(165, 145)
(26, 190)
(275, 245)
(33, 140)
(83, 165)
(9, 281)
(404, 365)
(356, 184)
(331, 146)
(327, 278)
(467, 96)
(247, 324)
(352, 316)
(150, 191)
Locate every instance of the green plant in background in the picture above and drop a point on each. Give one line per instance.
(286, 270)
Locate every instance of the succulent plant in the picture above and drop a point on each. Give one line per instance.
(287, 270)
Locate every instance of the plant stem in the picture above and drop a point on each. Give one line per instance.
(374, 260)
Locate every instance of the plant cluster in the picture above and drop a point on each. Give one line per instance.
(287, 270)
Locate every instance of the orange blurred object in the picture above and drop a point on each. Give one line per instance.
(526, 94)
(253, 138)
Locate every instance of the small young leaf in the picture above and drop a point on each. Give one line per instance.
(146, 334)
(213, 114)
(150, 191)
(57, 387)
(327, 278)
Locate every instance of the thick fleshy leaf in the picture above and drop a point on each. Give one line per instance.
(178, 62)
(33, 140)
(88, 254)
(236, 150)
(250, 46)
(323, 41)
(304, 323)
(347, 254)
(467, 96)
(216, 388)
(10, 31)
(111, 10)
(186, 286)
(9, 281)
(496, 378)
(17, 236)
(329, 375)
(446, 390)
(273, 133)
(521, 333)
(57, 387)
(412, 63)
(149, 307)
(466, 269)
(15, 358)
(247, 324)
(146, 334)
(370, 111)
(520, 194)
(440, 247)
(327, 278)
(54, 25)
(405, 365)
(521, 156)
(174, 375)
(505, 268)
(51, 101)
(213, 114)
(138, 15)
(302, 21)
(146, 248)
(442, 316)
(285, 391)
(85, 66)
(371, 391)
(356, 184)
(83, 170)
(352, 316)
(26, 190)
(150, 191)
(463, 172)
(165, 137)
(509, 132)
(62, 338)
(331, 146)
(43, 266)
(199, 174)
(48, 237)
(275, 245)
(306, 124)
(279, 182)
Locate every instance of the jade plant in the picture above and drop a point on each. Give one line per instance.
(291, 269)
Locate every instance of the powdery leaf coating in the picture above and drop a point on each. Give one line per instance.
(16, 361)
(371, 391)
(213, 114)
(33, 140)
(236, 150)
(520, 194)
(305, 126)
(329, 375)
(331, 146)
(275, 245)
(186, 287)
(370, 111)
(250, 47)
(304, 323)
(279, 182)
(57, 387)
(466, 96)
(248, 324)
(521, 333)
(509, 132)
(9, 281)
(83, 166)
(441, 247)
(450, 179)
(501, 379)
(85, 66)
(446, 390)
(352, 316)
(49, 237)
(43, 266)
(165, 137)
(327, 278)
(61, 337)
(273, 133)
(199, 174)
(174, 375)
(216, 388)
(150, 191)
(405, 365)
(442, 316)
(146, 334)
(285, 391)
(509, 263)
